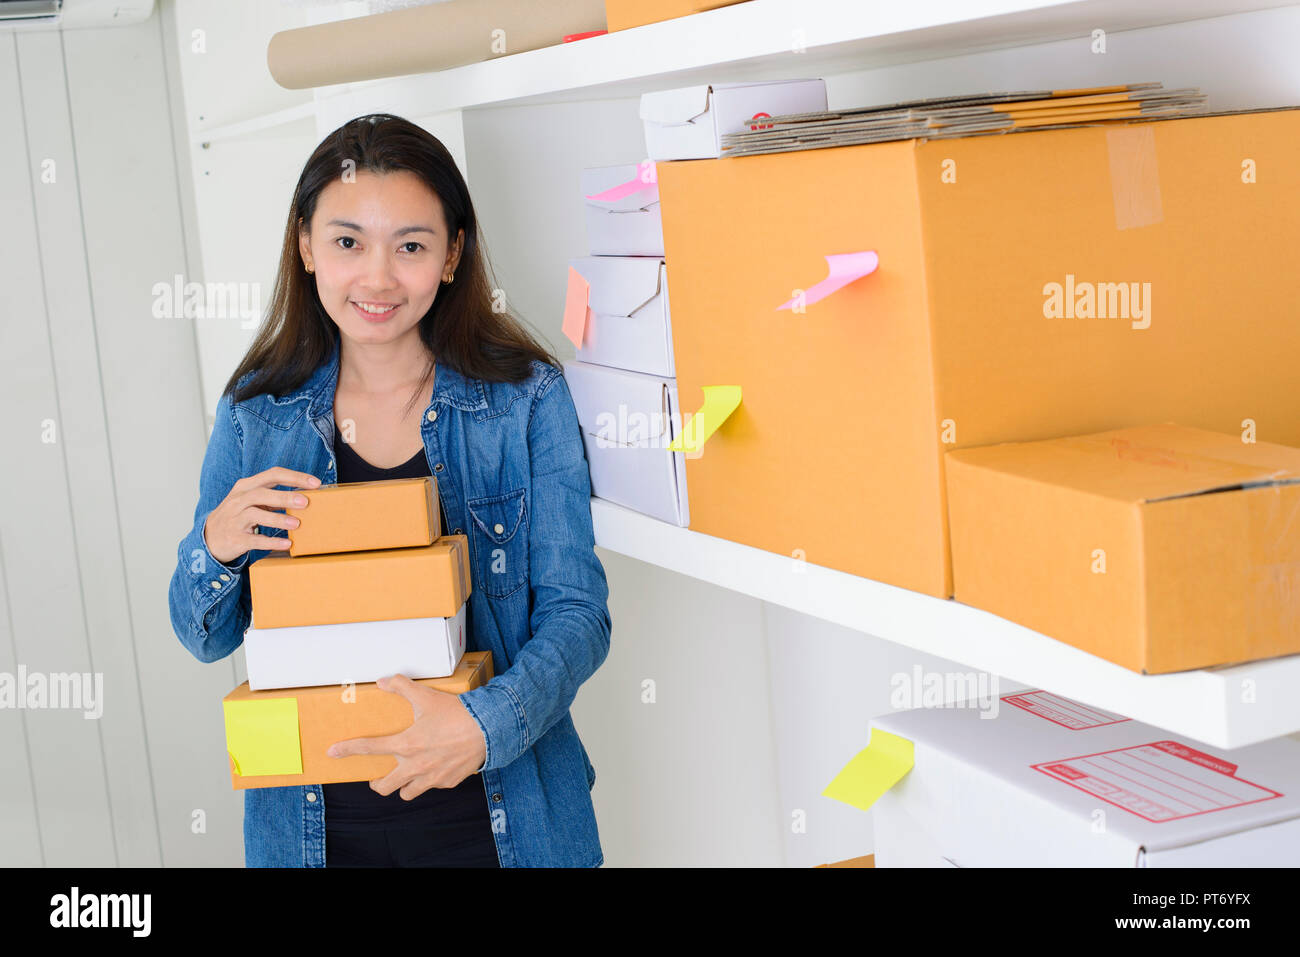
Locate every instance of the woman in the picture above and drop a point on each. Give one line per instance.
(386, 353)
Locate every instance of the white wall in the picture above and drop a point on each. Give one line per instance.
(103, 434)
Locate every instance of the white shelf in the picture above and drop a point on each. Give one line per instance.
(755, 40)
(1224, 707)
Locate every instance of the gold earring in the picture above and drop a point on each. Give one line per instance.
(309, 269)
(449, 277)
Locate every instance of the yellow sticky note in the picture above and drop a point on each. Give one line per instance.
(719, 402)
(873, 771)
(262, 736)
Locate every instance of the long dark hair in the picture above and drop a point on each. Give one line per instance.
(461, 329)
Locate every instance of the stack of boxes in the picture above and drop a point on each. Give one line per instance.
(368, 588)
(1034, 380)
(624, 379)
(1056, 387)
(1048, 374)
(1033, 288)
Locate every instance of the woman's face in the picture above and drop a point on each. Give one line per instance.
(379, 249)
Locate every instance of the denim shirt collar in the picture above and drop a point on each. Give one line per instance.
(449, 387)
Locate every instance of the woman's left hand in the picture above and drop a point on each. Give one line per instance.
(443, 746)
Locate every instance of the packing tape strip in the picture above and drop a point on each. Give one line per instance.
(1134, 176)
(435, 506)
(460, 558)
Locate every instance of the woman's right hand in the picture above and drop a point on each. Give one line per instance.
(228, 531)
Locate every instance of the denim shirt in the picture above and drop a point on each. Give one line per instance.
(511, 469)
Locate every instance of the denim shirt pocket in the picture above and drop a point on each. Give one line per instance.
(500, 535)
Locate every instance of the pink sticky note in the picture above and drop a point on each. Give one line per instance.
(843, 270)
(575, 308)
(645, 178)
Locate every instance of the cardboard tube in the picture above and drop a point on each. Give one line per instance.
(424, 39)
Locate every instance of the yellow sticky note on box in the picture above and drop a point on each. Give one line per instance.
(873, 771)
(262, 736)
(719, 402)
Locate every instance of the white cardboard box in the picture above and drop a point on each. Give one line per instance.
(629, 326)
(628, 420)
(629, 225)
(688, 123)
(309, 655)
(1050, 782)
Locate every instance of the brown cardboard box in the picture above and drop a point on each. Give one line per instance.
(320, 717)
(428, 582)
(835, 453)
(868, 860)
(362, 516)
(625, 14)
(1160, 548)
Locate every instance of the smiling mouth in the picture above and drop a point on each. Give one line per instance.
(374, 310)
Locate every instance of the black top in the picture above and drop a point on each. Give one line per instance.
(452, 824)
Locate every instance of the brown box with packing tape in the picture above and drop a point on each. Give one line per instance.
(1160, 548)
(364, 516)
(1010, 288)
(426, 582)
(278, 738)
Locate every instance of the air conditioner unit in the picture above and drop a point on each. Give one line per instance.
(71, 14)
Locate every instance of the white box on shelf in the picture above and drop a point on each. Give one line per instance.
(688, 123)
(629, 325)
(309, 655)
(1049, 782)
(900, 841)
(627, 222)
(628, 420)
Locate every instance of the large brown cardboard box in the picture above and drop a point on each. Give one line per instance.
(428, 582)
(264, 729)
(1160, 548)
(972, 330)
(363, 516)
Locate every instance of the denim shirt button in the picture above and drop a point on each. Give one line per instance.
(433, 415)
(457, 532)
(438, 467)
(497, 797)
(311, 797)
